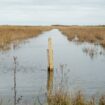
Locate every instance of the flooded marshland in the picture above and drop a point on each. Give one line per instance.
(81, 66)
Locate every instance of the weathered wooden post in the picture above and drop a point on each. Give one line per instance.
(50, 68)
(50, 55)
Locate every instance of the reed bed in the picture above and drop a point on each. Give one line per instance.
(9, 34)
(93, 34)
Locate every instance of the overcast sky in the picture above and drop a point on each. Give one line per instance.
(48, 12)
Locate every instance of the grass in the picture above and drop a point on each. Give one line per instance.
(93, 34)
(9, 34)
(63, 98)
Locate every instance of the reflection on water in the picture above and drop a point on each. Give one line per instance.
(50, 82)
(71, 64)
(6, 47)
(93, 51)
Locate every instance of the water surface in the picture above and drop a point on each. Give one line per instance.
(80, 65)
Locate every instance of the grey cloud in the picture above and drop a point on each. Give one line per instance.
(37, 12)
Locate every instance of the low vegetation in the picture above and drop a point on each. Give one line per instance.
(94, 34)
(9, 34)
(64, 98)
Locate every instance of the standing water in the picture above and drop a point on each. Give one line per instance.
(80, 65)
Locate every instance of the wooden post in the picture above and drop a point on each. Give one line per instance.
(50, 68)
(50, 55)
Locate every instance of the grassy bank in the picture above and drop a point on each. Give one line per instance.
(94, 34)
(9, 34)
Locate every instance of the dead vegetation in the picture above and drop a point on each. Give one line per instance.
(94, 34)
(64, 98)
(9, 34)
(91, 34)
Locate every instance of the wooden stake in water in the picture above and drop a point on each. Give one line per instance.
(50, 55)
(50, 68)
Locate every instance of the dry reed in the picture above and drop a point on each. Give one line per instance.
(9, 34)
(85, 33)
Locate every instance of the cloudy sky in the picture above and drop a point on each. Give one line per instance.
(48, 12)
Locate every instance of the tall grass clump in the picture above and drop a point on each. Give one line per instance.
(64, 98)
(59, 98)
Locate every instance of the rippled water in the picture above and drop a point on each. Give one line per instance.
(80, 65)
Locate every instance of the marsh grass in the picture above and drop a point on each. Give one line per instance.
(85, 33)
(9, 34)
(64, 98)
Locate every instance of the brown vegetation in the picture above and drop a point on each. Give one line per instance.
(12, 33)
(94, 34)
(85, 33)
(63, 98)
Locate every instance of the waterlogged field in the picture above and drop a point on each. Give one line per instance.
(77, 66)
(9, 34)
(90, 34)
